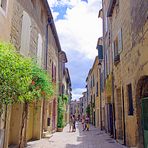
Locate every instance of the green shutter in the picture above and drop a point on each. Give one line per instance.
(145, 120)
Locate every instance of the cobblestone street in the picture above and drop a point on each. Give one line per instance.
(79, 139)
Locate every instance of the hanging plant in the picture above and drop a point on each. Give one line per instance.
(41, 85)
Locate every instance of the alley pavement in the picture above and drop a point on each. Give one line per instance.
(79, 139)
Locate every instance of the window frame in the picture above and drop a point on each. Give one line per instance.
(130, 100)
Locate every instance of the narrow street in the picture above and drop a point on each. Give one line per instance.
(79, 139)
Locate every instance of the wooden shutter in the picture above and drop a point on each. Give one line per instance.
(120, 41)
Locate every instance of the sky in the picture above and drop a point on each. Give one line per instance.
(78, 28)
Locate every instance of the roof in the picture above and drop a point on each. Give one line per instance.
(100, 13)
(64, 57)
(52, 25)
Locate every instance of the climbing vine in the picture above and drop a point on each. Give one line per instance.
(62, 100)
(41, 85)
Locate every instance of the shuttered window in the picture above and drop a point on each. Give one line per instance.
(25, 34)
(97, 89)
(39, 50)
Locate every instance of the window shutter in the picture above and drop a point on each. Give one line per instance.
(52, 72)
(55, 72)
(113, 50)
(120, 41)
(39, 49)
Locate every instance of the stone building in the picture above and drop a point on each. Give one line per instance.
(125, 43)
(67, 91)
(96, 102)
(106, 68)
(83, 104)
(30, 27)
(64, 83)
(75, 108)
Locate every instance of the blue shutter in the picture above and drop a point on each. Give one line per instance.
(100, 52)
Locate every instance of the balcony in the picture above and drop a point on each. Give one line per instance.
(111, 8)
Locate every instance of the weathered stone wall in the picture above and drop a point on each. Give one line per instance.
(5, 21)
(139, 17)
(133, 58)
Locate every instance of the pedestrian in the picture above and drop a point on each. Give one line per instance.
(74, 124)
(87, 123)
(71, 123)
(83, 122)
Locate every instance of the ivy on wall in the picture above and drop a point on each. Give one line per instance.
(62, 100)
(21, 81)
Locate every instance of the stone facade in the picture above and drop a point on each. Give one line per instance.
(93, 91)
(127, 25)
(39, 40)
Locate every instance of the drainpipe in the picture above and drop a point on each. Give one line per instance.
(113, 104)
(113, 96)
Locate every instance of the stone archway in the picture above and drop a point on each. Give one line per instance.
(141, 92)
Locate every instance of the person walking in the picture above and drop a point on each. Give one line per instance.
(71, 123)
(83, 122)
(87, 123)
(74, 124)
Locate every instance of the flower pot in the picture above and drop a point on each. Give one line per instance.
(60, 129)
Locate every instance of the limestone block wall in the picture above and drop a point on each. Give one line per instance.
(132, 66)
(5, 23)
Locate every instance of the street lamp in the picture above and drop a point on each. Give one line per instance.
(99, 67)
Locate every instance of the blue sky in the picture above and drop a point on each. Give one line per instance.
(78, 28)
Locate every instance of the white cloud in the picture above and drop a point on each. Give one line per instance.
(70, 3)
(79, 30)
(81, 27)
(77, 93)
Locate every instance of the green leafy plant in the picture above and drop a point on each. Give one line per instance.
(60, 112)
(21, 80)
(41, 85)
(88, 110)
(65, 98)
(62, 101)
(15, 75)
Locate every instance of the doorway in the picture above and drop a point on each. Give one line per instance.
(142, 111)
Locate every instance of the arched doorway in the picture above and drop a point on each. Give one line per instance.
(142, 111)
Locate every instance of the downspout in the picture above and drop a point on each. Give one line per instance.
(113, 96)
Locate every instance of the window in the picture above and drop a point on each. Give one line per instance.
(93, 80)
(106, 22)
(25, 34)
(53, 72)
(3, 4)
(117, 46)
(97, 89)
(130, 100)
(39, 50)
